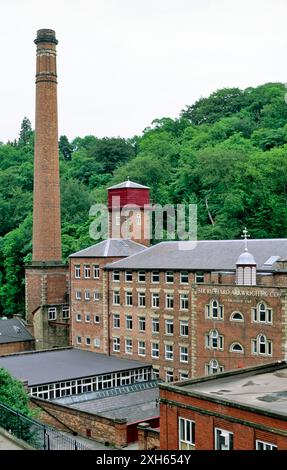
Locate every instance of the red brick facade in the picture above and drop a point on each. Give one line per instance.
(133, 224)
(129, 212)
(247, 425)
(181, 336)
(89, 314)
(107, 430)
(47, 287)
(15, 347)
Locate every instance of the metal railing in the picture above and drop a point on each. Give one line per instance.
(36, 434)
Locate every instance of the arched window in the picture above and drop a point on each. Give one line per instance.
(213, 340)
(213, 367)
(261, 313)
(236, 347)
(261, 345)
(236, 316)
(214, 310)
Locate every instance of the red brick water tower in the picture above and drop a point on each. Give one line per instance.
(129, 212)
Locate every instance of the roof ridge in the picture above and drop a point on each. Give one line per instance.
(108, 242)
(135, 254)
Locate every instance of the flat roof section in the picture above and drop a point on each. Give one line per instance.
(45, 367)
(266, 391)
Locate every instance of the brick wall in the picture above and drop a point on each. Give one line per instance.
(149, 312)
(90, 307)
(148, 438)
(247, 426)
(99, 428)
(47, 286)
(238, 299)
(46, 209)
(17, 346)
(128, 226)
(233, 298)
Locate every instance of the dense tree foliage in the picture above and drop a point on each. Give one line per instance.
(13, 393)
(227, 153)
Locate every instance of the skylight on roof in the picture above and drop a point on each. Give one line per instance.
(271, 260)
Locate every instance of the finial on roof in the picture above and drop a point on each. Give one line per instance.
(245, 236)
(128, 178)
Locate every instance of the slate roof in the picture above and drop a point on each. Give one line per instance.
(45, 367)
(133, 406)
(209, 255)
(112, 247)
(13, 330)
(129, 184)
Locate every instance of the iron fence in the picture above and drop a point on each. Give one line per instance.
(36, 434)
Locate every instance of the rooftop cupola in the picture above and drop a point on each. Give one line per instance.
(246, 265)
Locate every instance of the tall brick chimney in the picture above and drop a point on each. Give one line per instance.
(47, 278)
(46, 216)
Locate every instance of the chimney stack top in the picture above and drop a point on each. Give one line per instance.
(46, 35)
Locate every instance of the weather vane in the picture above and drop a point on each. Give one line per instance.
(245, 236)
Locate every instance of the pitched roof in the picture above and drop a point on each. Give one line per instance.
(133, 406)
(129, 184)
(13, 330)
(112, 247)
(42, 367)
(203, 255)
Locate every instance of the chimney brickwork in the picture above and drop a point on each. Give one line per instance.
(47, 279)
(46, 218)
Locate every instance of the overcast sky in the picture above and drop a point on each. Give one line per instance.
(123, 63)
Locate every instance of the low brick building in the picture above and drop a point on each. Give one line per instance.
(97, 396)
(237, 410)
(14, 336)
(64, 372)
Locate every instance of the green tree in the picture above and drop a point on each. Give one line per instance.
(13, 393)
(221, 103)
(26, 133)
(111, 153)
(65, 148)
(15, 246)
